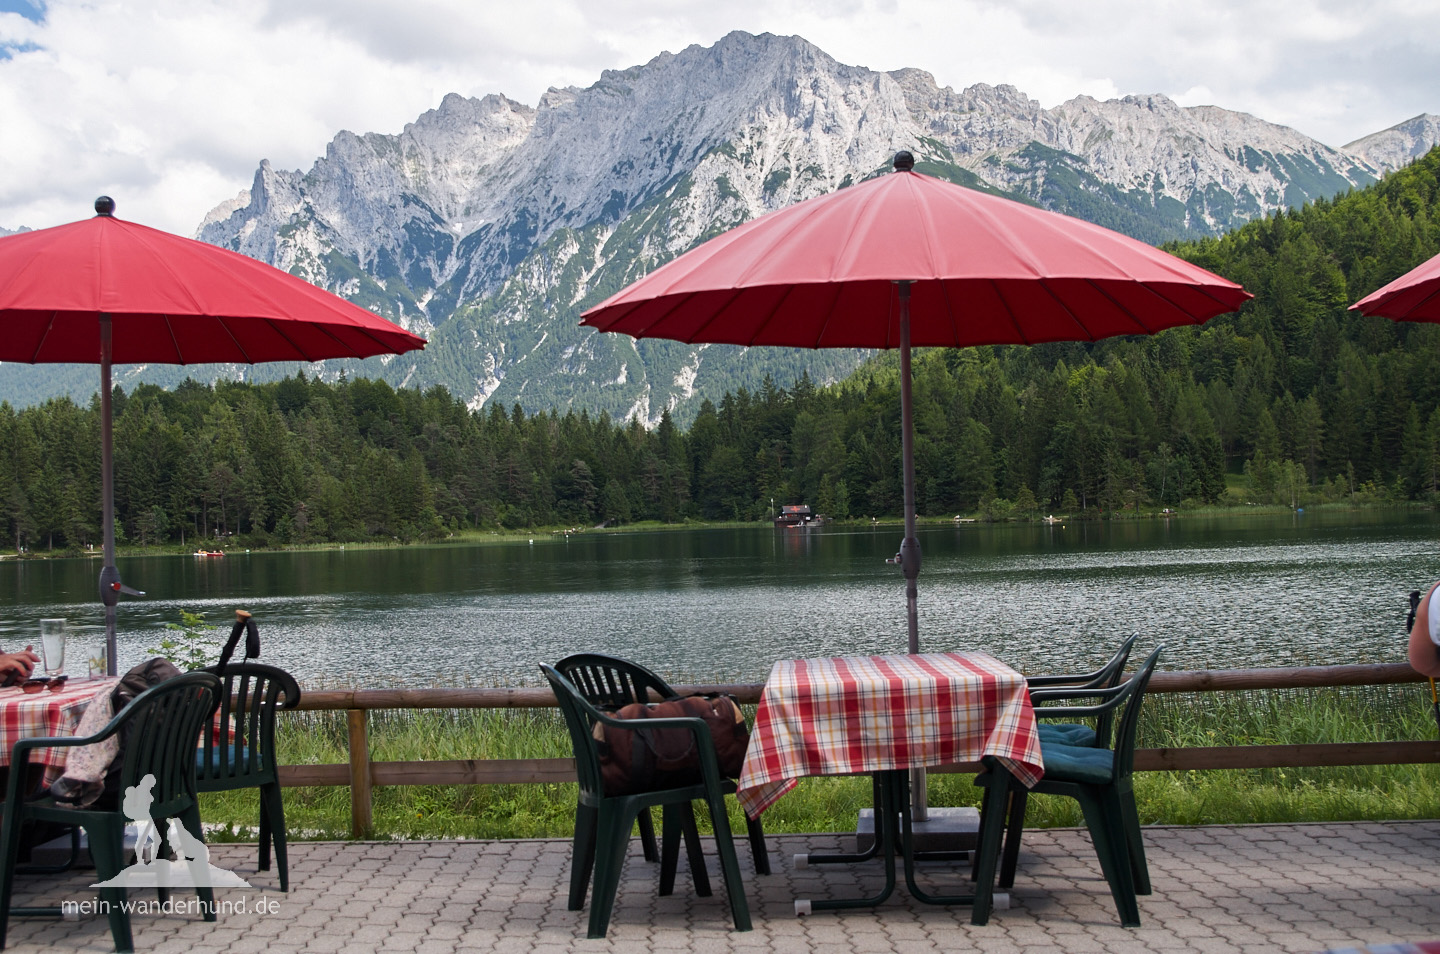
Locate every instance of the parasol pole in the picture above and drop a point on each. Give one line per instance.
(109, 575)
(110, 585)
(909, 555)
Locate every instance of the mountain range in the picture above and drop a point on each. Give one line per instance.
(488, 225)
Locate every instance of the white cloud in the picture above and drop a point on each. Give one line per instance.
(170, 104)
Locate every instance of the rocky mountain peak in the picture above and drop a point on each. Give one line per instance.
(489, 224)
(1399, 145)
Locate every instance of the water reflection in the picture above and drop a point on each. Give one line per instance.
(1220, 592)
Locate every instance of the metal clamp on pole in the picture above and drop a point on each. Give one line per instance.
(111, 587)
(908, 558)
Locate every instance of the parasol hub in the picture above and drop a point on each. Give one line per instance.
(105, 206)
(904, 161)
(111, 587)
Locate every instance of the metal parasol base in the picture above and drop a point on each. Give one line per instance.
(945, 829)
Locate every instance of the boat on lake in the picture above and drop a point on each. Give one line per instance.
(799, 515)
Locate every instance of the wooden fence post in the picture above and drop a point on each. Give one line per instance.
(361, 821)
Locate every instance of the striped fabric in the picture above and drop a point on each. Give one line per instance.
(851, 715)
(38, 714)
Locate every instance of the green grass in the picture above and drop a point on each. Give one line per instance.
(1358, 714)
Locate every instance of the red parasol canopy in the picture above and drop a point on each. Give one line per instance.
(983, 270)
(173, 300)
(1414, 296)
(108, 291)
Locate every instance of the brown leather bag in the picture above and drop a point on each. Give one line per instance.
(645, 760)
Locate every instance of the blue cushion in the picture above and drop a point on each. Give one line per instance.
(224, 753)
(1067, 733)
(1077, 763)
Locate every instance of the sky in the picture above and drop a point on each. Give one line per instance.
(169, 105)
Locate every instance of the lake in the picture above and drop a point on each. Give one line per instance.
(1221, 592)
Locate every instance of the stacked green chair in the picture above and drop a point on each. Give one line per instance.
(1079, 733)
(603, 822)
(252, 694)
(1100, 779)
(610, 682)
(161, 726)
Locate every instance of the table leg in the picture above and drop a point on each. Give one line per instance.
(877, 844)
(987, 852)
(894, 833)
(889, 791)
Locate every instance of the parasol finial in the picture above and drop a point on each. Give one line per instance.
(904, 162)
(106, 205)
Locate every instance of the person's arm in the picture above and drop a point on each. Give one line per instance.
(17, 667)
(1425, 638)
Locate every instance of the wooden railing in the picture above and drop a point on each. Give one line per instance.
(362, 774)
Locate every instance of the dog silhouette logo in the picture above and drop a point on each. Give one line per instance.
(190, 869)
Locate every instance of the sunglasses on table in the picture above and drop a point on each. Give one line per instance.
(55, 684)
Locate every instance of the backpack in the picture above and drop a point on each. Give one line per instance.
(643, 760)
(84, 785)
(151, 672)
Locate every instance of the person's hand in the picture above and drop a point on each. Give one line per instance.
(19, 666)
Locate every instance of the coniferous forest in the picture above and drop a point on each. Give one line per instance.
(1292, 400)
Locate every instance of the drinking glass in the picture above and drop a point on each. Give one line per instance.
(52, 645)
(95, 661)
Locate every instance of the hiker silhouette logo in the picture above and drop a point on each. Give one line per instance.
(192, 867)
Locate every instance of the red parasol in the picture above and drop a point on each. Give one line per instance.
(102, 290)
(906, 259)
(1414, 296)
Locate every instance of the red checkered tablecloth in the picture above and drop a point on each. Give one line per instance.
(848, 715)
(38, 714)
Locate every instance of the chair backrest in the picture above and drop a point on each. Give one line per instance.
(1130, 719)
(1109, 677)
(1105, 677)
(252, 692)
(161, 726)
(580, 721)
(611, 681)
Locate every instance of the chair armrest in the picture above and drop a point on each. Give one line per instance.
(20, 752)
(1074, 680)
(1113, 698)
(1078, 692)
(65, 741)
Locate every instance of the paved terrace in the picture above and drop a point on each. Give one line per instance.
(1227, 888)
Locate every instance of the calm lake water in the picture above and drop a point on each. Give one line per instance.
(1221, 592)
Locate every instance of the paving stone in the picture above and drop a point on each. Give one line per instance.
(1300, 888)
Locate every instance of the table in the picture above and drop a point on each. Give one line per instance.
(30, 715)
(884, 715)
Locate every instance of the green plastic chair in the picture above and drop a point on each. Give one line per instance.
(1079, 733)
(161, 726)
(610, 682)
(1099, 778)
(252, 694)
(603, 822)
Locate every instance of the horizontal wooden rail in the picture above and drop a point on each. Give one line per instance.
(1203, 680)
(448, 772)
